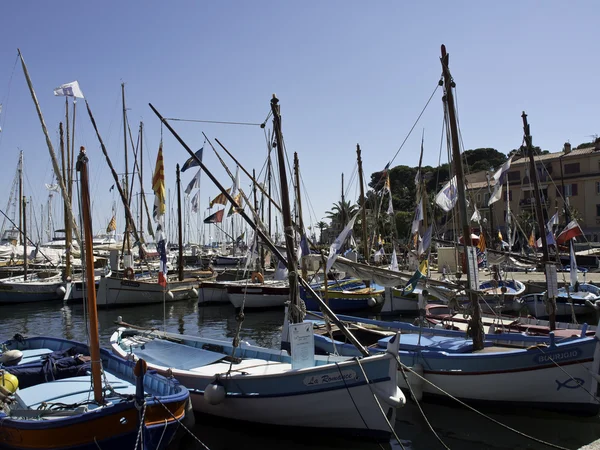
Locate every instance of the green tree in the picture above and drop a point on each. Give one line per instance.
(321, 225)
(341, 212)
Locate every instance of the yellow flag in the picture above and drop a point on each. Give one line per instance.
(112, 225)
(532, 239)
(481, 246)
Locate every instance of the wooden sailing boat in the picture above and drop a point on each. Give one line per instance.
(56, 406)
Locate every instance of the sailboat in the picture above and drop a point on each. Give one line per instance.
(50, 401)
(560, 376)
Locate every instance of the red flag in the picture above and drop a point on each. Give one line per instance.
(216, 217)
(571, 230)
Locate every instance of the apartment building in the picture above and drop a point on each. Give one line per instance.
(571, 174)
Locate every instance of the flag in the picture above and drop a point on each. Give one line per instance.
(220, 199)
(553, 221)
(69, 90)
(387, 186)
(52, 187)
(532, 239)
(476, 217)
(481, 245)
(394, 262)
(499, 179)
(191, 162)
(215, 218)
(158, 186)
(390, 209)
(500, 235)
(421, 272)
(112, 225)
(194, 202)
(195, 183)
(240, 238)
(447, 197)
(572, 266)
(418, 217)
(571, 230)
(162, 252)
(339, 241)
(304, 245)
(233, 209)
(111, 188)
(426, 242)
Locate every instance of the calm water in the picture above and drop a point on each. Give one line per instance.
(458, 428)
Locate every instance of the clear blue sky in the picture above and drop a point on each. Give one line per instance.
(346, 72)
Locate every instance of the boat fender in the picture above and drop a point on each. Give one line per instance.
(258, 277)
(61, 291)
(416, 382)
(372, 301)
(193, 293)
(11, 357)
(9, 382)
(214, 393)
(129, 274)
(169, 295)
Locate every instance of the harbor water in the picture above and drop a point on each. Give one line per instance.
(456, 426)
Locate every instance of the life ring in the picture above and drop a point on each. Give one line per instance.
(258, 277)
(129, 274)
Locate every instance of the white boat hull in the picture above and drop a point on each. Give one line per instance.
(123, 292)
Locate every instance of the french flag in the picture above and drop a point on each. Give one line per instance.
(571, 230)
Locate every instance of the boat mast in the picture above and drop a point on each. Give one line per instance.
(540, 218)
(363, 204)
(67, 224)
(179, 226)
(476, 323)
(21, 196)
(126, 183)
(24, 208)
(299, 208)
(82, 161)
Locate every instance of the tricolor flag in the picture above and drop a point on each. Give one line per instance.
(448, 196)
(69, 90)
(215, 218)
(158, 186)
(195, 183)
(499, 178)
(571, 230)
(191, 162)
(220, 199)
(161, 246)
(339, 241)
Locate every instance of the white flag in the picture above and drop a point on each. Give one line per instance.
(394, 264)
(447, 197)
(70, 90)
(553, 221)
(498, 178)
(390, 209)
(573, 265)
(418, 217)
(339, 241)
(195, 183)
(195, 200)
(52, 187)
(476, 217)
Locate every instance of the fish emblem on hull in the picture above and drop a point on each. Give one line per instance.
(571, 383)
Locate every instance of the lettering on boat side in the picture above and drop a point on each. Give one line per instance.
(333, 377)
(129, 283)
(571, 383)
(558, 356)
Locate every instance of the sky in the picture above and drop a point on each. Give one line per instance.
(345, 72)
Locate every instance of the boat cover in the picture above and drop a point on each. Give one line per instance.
(175, 355)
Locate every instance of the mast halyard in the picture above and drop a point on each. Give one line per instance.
(476, 323)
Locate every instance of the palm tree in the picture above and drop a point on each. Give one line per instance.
(321, 225)
(341, 212)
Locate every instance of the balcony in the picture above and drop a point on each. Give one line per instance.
(530, 202)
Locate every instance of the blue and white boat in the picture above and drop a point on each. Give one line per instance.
(35, 287)
(581, 300)
(346, 295)
(54, 406)
(260, 385)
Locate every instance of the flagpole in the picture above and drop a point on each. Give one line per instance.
(264, 237)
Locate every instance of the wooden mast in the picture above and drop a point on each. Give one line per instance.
(128, 219)
(540, 217)
(179, 226)
(25, 262)
(82, 161)
(299, 202)
(363, 204)
(67, 224)
(21, 240)
(476, 323)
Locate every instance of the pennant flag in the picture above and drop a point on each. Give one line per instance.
(448, 196)
(158, 186)
(216, 217)
(339, 241)
(418, 217)
(195, 183)
(220, 199)
(481, 245)
(499, 179)
(195, 201)
(191, 162)
(111, 188)
(394, 262)
(573, 266)
(112, 225)
(304, 245)
(426, 242)
(240, 238)
(421, 272)
(69, 90)
(233, 209)
(571, 230)
(162, 252)
(532, 239)
(553, 221)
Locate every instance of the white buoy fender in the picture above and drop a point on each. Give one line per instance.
(169, 296)
(11, 357)
(371, 301)
(193, 293)
(61, 290)
(214, 394)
